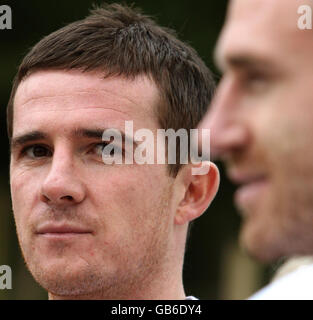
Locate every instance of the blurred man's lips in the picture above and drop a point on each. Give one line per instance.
(62, 231)
(250, 189)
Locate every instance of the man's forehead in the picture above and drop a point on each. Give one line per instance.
(265, 27)
(49, 84)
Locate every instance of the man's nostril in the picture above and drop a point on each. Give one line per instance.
(67, 197)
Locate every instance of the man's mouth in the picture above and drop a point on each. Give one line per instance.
(250, 190)
(53, 230)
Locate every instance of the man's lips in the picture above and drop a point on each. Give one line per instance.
(251, 187)
(59, 230)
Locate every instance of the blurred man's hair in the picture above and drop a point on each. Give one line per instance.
(121, 41)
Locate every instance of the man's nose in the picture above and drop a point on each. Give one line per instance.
(228, 129)
(62, 185)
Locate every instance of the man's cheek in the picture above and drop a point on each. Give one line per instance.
(22, 195)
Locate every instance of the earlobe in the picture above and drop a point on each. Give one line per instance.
(200, 192)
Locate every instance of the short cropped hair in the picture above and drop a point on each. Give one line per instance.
(119, 40)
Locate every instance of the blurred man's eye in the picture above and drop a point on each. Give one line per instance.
(255, 82)
(36, 151)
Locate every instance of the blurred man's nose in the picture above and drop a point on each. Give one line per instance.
(62, 186)
(228, 131)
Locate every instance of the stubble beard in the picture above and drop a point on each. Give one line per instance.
(283, 223)
(131, 278)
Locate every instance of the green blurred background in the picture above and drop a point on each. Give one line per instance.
(215, 267)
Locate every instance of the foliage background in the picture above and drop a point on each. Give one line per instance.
(215, 267)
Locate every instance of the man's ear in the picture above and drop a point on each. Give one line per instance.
(200, 190)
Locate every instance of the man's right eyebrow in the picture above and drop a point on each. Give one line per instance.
(26, 138)
(242, 61)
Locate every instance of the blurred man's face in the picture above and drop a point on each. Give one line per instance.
(261, 124)
(86, 227)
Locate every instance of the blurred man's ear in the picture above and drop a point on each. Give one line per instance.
(200, 190)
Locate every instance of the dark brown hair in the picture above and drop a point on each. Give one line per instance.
(119, 40)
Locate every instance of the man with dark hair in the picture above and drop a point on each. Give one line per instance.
(95, 230)
(261, 127)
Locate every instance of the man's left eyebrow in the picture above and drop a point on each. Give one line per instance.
(89, 133)
(98, 134)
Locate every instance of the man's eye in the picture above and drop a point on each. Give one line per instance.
(106, 149)
(37, 151)
(255, 81)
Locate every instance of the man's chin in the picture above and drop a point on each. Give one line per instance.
(67, 282)
(259, 244)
